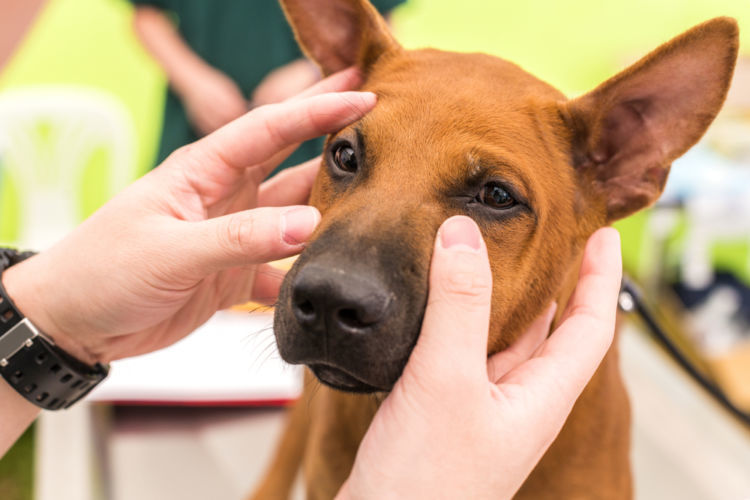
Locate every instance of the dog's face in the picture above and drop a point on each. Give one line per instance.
(475, 135)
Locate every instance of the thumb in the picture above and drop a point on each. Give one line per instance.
(453, 340)
(250, 237)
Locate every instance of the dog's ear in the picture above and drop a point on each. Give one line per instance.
(628, 130)
(337, 34)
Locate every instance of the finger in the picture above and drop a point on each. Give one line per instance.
(264, 168)
(291, 186)
(249, 237)
(523, 348)
(263, 132)
(346, 79)
(570, 356)
(589, 318)
(452, 345)
(267, 284)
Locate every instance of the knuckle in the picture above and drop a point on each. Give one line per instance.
(182, 154)
(238, 235)
(273, 129)
(587, 311)
(466, 283)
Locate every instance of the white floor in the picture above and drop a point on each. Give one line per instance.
(684, 446)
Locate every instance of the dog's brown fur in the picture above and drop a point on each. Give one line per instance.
(580, 164)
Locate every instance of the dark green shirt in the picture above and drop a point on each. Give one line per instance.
(246, 39)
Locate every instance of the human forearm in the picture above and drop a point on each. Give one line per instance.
(16, 414)
(22, 284)
(158, 34)
(211, 98)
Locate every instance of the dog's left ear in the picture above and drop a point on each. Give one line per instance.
(337, 34)
(628, 130)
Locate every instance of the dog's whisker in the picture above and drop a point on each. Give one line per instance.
(262, 353)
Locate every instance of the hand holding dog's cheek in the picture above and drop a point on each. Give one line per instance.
(430, 412)
(454, 419)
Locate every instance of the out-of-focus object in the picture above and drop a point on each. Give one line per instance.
(252, 306)
(700, 246)
(631, 300)
(16, 20)
(50, 137)
(231, 360)
(730, 133)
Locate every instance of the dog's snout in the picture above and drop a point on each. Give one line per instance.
(326, 301)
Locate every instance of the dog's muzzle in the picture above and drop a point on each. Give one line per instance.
(352, 317)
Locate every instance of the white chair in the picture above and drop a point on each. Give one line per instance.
(47, 135)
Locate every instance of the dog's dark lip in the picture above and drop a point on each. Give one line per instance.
(337, 378)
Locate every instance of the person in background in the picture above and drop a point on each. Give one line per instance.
(221, 58)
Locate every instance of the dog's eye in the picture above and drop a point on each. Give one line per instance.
(345, 158)
(494, 196)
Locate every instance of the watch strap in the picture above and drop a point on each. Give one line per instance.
(32, 364)
(10, 257)
(47, 376)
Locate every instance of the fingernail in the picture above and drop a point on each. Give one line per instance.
(460, 231)
(298, 224)
(369, 97)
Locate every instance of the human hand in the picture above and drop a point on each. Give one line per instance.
(457, 425)
(211, 100)
(186, 239)
(285, 82)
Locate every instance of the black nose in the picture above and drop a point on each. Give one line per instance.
(330, 300)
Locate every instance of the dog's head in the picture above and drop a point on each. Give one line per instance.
(476, 135)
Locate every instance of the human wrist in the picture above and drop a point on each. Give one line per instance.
(31, 298)
(16, 414)
(188, 78)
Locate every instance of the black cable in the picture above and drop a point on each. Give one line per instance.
(631, 300)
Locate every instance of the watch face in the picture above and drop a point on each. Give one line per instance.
(16, 336)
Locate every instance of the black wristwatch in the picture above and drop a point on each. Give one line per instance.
(31, 362)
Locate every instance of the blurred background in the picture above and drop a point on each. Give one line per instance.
(94, 93)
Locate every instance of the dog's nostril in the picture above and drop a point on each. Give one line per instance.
(336, 304)
(351, 318)
(305, 311)
(306, 307)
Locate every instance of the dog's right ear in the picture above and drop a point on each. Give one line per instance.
(337, 34)
(630, 128)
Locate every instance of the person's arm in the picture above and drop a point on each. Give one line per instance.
(285, 81)
(16, 414)
(210, 97)
(183, 241)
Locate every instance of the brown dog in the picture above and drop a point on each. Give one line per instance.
(476, 135)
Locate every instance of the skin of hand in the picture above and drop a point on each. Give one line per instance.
(210, 97)
(285, 82)
(458, 425)
(186, 239)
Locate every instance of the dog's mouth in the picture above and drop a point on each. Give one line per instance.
(339, 379)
